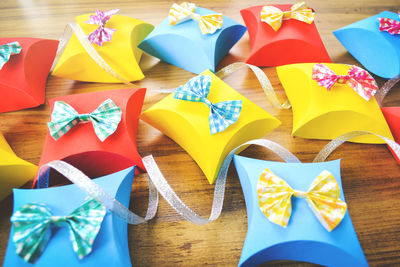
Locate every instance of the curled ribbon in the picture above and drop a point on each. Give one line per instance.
(7, 50)
(208, 24)
(101, 34)
(389, 25)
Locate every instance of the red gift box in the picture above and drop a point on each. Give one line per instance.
(392, 116)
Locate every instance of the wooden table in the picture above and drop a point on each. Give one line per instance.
(371, 177)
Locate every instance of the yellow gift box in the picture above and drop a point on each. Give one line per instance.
(322, 114)
(187, 123)
(14, 172)
(121, 53)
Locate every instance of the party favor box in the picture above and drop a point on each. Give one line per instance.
(319, 113)
(294, 42)
(120, 53)
(316, 233)
(86, 147)
(24, 73)
(100, 232)
(14, 172)
(192, 125)
(185, 46)
(378, 51)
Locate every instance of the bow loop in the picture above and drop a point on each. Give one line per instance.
(274, 198)
(7, 50)
(32, 224)
(389, 25)
(358, 79)
(101, 34)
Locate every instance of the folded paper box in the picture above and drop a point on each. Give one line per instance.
(110, 247)
(121, 53)
(378, 52)
(294, 42)
(23, 78)
(322, 114)
(187, 123)
(184, 46)
(304, 238)
(82, 148)
(392, 116)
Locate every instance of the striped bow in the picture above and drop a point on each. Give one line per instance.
(7, 50)
(389, 25)
(222, 114)
(101, 34)
(274, 198)
(273, 16)
(105, 119)
(358, 79)
(32, 228)
(185, 11)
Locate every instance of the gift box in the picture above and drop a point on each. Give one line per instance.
(120, 53)
(392, 116)
(23, 77)
(319, 113)
(294, 42)
(110, 246)
(184, 45)
(304, 238)
(81, 147)
(188, 124)
(378, 52)
(14, 172)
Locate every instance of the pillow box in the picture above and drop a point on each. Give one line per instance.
(304, 238)
(121, 53)
(294, 42)
(392, 116)
(14, 172)
(111, 244)
(23, 77)
(187, 123)
(184, 46)
(322, 114)
(82, 148)
(378, 52)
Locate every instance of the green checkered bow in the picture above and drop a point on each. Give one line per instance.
(7, 50)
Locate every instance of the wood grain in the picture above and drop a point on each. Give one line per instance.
(371, 177)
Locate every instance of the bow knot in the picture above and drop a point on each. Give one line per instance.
(274, 197)
(222, 114)
(101, 34)
(273, 16)
(32, 224)
(105, 119)
(208, 24)
(389, 25)
(7, 50)
(358, 79)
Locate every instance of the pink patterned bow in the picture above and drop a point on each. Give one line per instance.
(101, 34)
(390, 25)
(358, 79)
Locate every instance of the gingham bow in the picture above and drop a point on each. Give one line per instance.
(222, 114)
(105, 119)
(358, 79)
(101, 34)
(274, 16)
(390, 25)
(185, 11)
(7, 50)
(274, 198)
(32, 228)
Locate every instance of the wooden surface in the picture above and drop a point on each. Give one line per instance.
(371, 177)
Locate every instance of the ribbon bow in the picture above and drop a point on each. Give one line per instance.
(274, 16)
(105, 119)
(101, 34)
(185, 11)
(390, 25)
(7, 50)
(222, 114)
(274, 198)
(358, 79)
(32, 228)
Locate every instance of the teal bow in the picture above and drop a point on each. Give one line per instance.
(32, 228)
(7, 50)
(105, 119)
